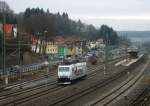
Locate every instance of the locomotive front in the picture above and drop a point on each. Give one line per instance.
(64, 73)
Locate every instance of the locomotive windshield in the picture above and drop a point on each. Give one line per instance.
(63, 69)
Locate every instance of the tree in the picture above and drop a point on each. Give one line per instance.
(108, 34)
(37, 20)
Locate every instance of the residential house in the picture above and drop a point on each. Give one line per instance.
(52, 48)
(91, 44)
(74, 45)
(58, 46)
(100, 43)
(38, 45)
(95, 44)
(63, 52)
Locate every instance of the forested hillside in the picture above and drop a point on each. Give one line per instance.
(35, 21)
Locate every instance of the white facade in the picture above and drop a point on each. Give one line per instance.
(52, 48)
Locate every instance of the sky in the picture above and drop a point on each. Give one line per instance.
(120, 14)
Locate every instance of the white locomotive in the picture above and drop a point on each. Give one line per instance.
(72, 71)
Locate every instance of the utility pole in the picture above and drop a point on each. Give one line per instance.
(20, 56)
(45, 55)
(4, 48)
(106, 56)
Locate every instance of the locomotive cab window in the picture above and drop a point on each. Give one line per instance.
(63, 69)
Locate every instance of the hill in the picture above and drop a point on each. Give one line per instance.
(136, 36)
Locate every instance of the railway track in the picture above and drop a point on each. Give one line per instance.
(17, 85)
(85, 91)
(38, 92)
(5, 87)
(142, 99)
(21, 91)
(21, 95)
(144, 102)
(21, 85)
(112, 95)
(25, 98)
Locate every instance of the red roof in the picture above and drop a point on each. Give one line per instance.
(8, 28)
(72, 39)
(63, 40)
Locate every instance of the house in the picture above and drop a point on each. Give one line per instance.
(51, 48)
(79, 50)
(74, 45)
(63, 52)
(38, 45)
(95, 44)
(53, 45)
(91, 44)
(10, 30)
(100, 43)
(57, 46)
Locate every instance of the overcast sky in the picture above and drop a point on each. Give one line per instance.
(119, 14)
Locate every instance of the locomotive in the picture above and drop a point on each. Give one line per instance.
(71, 71)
